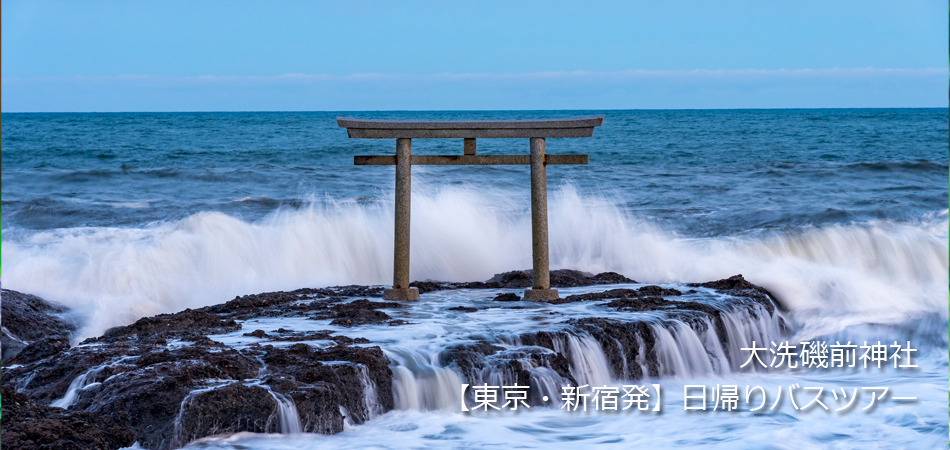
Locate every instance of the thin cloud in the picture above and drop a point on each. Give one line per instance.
(579, 75)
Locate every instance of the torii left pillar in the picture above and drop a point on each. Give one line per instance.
(401, 289)
(541, 290)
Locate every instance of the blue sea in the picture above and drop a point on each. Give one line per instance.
(701, 173)
(841, 213)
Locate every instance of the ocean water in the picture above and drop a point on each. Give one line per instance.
(840, 213)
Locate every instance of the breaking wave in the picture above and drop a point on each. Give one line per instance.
(874, 272)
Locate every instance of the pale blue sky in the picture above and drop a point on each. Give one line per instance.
(334, 55)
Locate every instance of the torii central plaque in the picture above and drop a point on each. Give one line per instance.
(535, 130)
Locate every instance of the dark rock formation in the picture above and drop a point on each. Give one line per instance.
(188, 324)
(557, 359)
(618, 293)
(519, 279)
(629, 346)
(41, 349)
(467, 357)
(476, 360)
(559, 278)
(257, 334)
(622, 343)
(230, 409)
(739, 287)
(27, 425)
(152, 384)
(429, 286)
(609, 278)
(167, 380)
(356, 317)
(507, 297)
(358, 312)
(169, 377)
(290, 336)
(658, 304)
(28, 318)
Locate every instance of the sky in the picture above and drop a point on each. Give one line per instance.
(490, 55)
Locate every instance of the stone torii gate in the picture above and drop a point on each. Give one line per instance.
(535, 130)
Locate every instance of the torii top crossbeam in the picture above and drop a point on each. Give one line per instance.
(535, 130)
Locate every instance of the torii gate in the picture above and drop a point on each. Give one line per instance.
(535, 130)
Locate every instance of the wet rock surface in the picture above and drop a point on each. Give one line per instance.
(28, 318)
(623, 343)
(630, 347)
(172, 381)
(40, 349)
(27, 425)
(235, 407)
(169, 377)
(467, 357)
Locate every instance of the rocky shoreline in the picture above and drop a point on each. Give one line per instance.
(164, 381)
